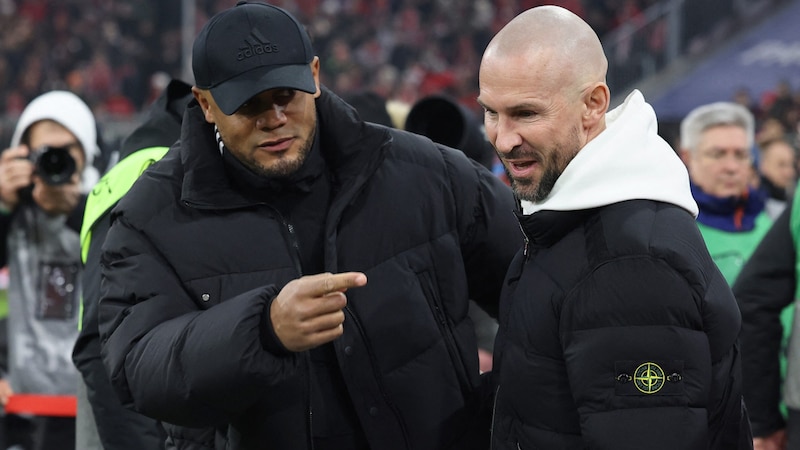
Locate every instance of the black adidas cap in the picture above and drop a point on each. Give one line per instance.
(248, 49)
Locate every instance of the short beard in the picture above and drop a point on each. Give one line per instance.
(284, 167)
(557, 161)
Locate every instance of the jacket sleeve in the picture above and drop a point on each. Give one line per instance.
(764, 288)
(646, 368)
(118, 427)
(169, 358)
(489, 231)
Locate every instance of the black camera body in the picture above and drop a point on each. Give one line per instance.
(54, 165)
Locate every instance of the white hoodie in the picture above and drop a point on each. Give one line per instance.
(627, 161)
(73, 114)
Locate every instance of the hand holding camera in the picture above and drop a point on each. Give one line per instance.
(16, 172)
(51, 171)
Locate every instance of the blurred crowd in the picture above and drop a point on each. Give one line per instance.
(118, 55)
(777, 111)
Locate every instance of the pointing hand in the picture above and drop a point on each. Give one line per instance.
(308, 310)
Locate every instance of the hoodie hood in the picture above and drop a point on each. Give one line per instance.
(627, 161)
(73, 114)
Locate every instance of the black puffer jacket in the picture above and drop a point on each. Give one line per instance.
(618, 332)
(191, 263)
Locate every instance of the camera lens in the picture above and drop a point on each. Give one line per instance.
(54, 165)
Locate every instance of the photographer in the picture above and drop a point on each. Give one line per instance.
(44, 176)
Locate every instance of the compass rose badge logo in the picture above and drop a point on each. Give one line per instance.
(649, 378)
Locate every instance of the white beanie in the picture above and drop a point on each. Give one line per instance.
(72, 113)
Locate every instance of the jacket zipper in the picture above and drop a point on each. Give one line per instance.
(310, 411)
(295, 246)
(446, 330)
(526, 248)
(494, 416)
(379, 380)
(291, 237)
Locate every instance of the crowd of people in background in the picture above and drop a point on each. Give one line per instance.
(118, 55)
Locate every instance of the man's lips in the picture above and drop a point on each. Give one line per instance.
(277, 145)
(521, 168)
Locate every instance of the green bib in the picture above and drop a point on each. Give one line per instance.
(108, 191)
(114, 184)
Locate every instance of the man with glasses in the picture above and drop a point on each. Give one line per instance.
(716, 143)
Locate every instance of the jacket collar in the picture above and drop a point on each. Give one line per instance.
(733, 214)
(547, 227)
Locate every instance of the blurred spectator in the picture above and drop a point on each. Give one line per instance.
(716, 142)
(766, 291)
(39, 222)
(770, 130)
(780, 103)
(777, 174)
(744, 97)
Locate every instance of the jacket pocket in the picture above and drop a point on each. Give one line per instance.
(205, 292)
(445, 325)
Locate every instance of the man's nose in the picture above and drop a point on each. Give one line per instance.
(272, 117)
(508, 137)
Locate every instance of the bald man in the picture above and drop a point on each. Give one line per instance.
(617, 331)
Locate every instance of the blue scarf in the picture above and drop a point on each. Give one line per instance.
(730, 213)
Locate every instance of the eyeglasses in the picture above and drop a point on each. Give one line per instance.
(740, 156)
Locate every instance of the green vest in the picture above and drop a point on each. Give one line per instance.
(794, 227)
(109, 190)
(730, 250)
(791, 392)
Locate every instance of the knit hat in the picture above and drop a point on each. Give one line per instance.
(68, 110)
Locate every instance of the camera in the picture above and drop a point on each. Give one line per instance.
(446, 122)
(54, 165)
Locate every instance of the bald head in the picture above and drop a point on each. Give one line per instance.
(544, 95)
(555, 39)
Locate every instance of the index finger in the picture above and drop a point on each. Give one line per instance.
(338, 282)
(19, 151)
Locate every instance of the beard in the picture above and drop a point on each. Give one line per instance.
(554, 165)
(284, 167)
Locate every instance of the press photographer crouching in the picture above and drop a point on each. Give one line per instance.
(44, 177)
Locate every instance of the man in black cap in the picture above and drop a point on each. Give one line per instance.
(289, 276)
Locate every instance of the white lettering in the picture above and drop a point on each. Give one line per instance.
(772, 52)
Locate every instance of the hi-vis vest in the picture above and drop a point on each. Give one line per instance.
(790, 372)
(109, 190)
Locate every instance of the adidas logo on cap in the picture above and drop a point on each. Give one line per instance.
(260, 47)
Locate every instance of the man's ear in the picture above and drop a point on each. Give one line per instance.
(686, 155)
(201, 96)
(315, 72)
(596, 102)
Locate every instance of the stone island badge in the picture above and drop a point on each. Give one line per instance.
(648, 378)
